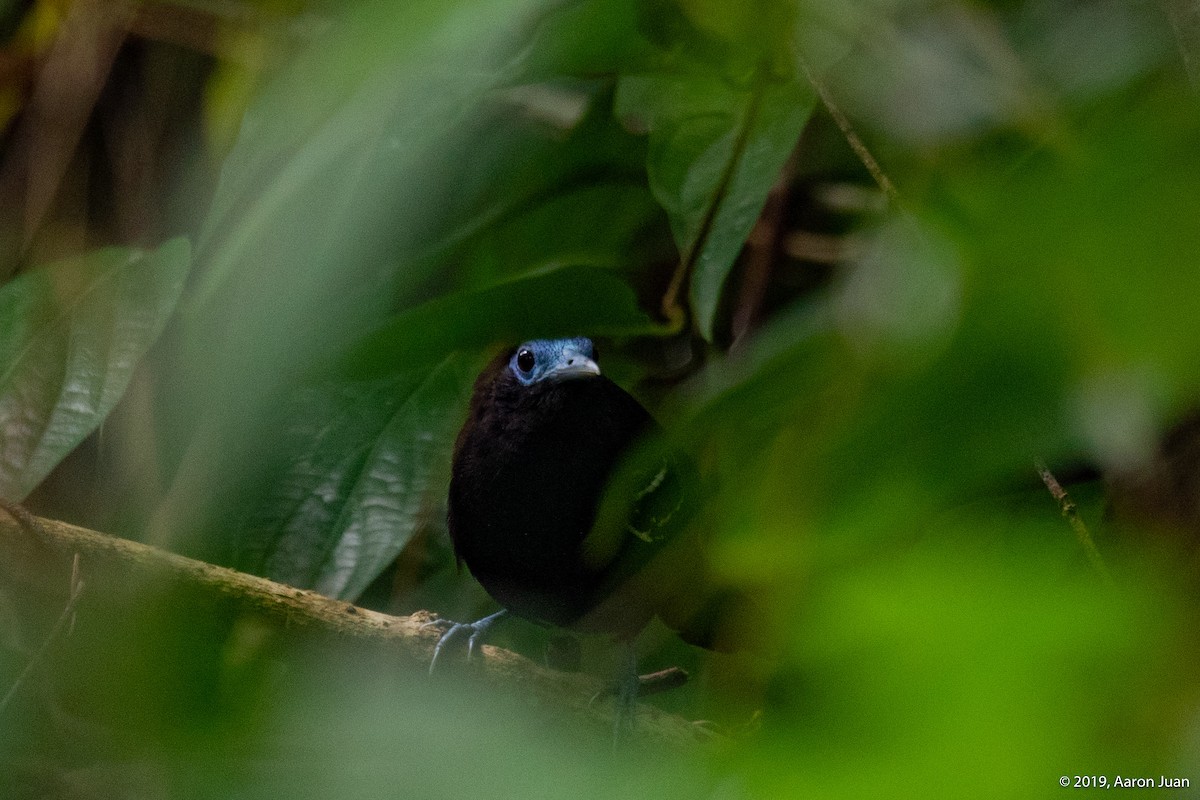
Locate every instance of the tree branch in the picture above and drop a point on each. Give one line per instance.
(38, 560)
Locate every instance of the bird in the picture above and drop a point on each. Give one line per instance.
(569, 508)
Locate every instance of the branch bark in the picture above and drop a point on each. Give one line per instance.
(36, 558)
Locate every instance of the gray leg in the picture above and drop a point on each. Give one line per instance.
(474, 631)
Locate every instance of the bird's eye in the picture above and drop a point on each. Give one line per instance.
(525, 360)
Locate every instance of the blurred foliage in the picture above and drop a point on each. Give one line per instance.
(377, 195)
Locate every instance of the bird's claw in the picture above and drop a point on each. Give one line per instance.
(452, 631)
(474, 631)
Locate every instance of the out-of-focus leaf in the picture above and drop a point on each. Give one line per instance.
(1091, 249)
(335, 184)
(369, 467)
(931, 78)
(825, 32)
(376, 89)
(750, 26)
(361, 705)
(71, 336)
(957, 652)
(338, 177)
(1090, 49)
(716, 149)
(589, 38)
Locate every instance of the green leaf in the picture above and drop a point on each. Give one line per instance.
(715, 152)
(369, 468)
(71, 336)
(586, 38)
(571, 301)
(563, 230)
(551, 177)
(825, 32)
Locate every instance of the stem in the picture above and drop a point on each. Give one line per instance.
(852, 137)
(1071, 513)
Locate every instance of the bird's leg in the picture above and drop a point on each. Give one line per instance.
(625, 702)
(475, 631)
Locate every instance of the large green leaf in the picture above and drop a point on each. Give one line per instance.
(71, 336)
(370, 467)
(361, 114)
(716, 149)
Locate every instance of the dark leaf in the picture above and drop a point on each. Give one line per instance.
(369, 467)
(597, 225)
(572, 301)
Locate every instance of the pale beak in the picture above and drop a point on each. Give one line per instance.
(575, 366)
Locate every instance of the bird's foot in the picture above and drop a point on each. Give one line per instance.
(474, 631)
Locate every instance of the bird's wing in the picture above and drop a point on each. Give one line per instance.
(650, 496)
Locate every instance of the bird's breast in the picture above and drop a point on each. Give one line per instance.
(524, 494)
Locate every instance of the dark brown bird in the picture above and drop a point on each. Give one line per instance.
(565, 505)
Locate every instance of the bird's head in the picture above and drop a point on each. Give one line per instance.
(553, 360)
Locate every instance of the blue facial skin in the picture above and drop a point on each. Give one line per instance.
(553, 359)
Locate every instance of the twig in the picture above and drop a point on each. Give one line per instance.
(1071, 514)
(662, 681)
(30, 524)
(852, 138)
